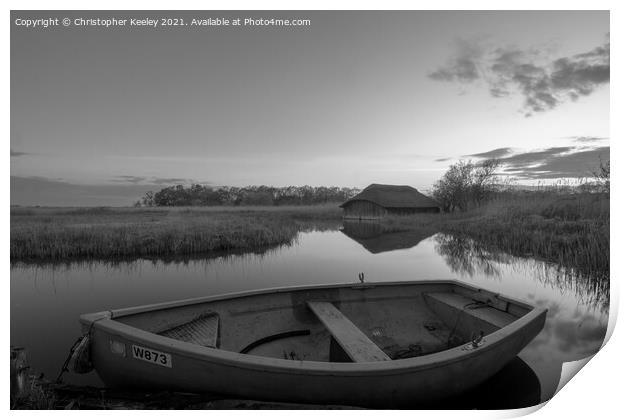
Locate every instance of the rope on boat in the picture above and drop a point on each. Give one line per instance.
(68, 359)
(74, 347)
(477, 304)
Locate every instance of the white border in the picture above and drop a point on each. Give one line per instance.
(591, 394)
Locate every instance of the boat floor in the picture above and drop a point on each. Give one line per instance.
(431, 337)
(322, 329)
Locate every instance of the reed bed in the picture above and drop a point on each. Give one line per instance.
(33, 397)
(571, 230)
(61, 234)
(465, 255)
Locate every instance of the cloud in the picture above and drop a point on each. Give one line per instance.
(15, 153)
(576, 164)
(461, 68)
(492, 154)
(29, 191)
(165, 181)
(130, 179)
(442, 159)
(586, 139)
(534, 158)
(579, 335)
(550, 163)
(153, 180)
(542, 82)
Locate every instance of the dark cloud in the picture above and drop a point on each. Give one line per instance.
(550, 163)
(463, 67)
(442, 159)
(15, 153)
(534, 158)
(543, 83)
(492, 154)
(554, 163)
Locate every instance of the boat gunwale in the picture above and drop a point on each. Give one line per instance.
(132, 310)
(105, 321)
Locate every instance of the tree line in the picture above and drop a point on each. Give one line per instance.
(204, 195)
(464, 184)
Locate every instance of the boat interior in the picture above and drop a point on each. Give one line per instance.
(354, 323)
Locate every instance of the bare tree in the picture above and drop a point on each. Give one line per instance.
(466, 182)
(484, 179)
(602, 175)
(451, 190)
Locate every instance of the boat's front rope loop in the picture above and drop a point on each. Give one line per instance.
(82, 340)
(68, 359)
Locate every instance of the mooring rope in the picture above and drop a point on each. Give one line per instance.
(477, 304)
(68, 359)
(73, 347)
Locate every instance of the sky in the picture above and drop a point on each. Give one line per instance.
(101, 115)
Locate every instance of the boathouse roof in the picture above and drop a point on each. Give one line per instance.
(393, 196)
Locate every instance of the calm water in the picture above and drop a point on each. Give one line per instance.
(46, 301)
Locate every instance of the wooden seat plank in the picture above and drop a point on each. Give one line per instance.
(353, 341)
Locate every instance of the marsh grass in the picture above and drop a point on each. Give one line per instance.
(61, 234)
(572, 230)
(34, 396)
(467, 256)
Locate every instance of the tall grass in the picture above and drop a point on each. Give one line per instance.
(468, 256)
(60, 234)
(571, 230)
(34, 396)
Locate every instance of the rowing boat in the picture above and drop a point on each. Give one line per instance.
(365, 344)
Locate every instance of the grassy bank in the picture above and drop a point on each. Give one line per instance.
(60, 234)
(571, 230)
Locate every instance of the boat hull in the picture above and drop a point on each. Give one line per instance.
(397, 383)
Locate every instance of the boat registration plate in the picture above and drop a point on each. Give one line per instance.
(151, 356)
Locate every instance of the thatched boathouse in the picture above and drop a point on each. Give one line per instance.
(378, 200)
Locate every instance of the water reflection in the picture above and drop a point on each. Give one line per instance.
(468, 257)
(377, 238)
(515, 386)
